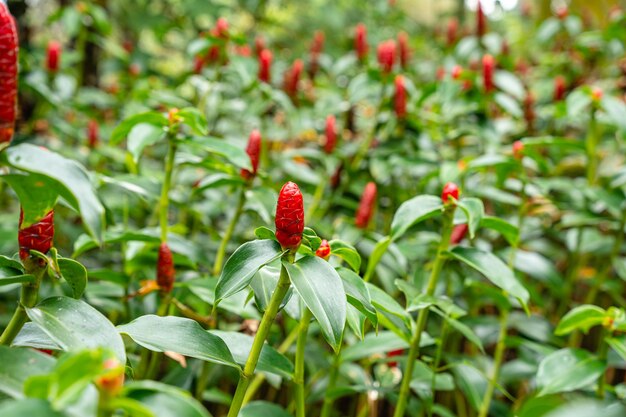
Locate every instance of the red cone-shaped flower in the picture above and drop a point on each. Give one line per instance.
(481, 21)
(366, 206)
(259, 45)
(221, 28)
(400, 97)
(53, 56)
(560, 88)
(451, 33)
(93, 135)
(38, 236)
(8, 74)
(331, 134)
(254, 152)
(112, 382)
(404, 51)
(324, 250)
(165, 268)
(450, 190)
(292, 77)
(489, 65)
(316, 49)
(458, 233)
(265, 63)
(289, 216)
(529, 111)
(386, 55)
(360, 41)
(518, 149)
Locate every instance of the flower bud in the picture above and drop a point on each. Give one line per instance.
(93, 135)
(518, 149)
(394, 353)
(360, 41)
(481, 21)
(292, 77)
(331, 134)
(8, 74)
(316, 49)
(596, 94)
(324, 250)
(404, 51)
(456, 72)
(562, 12)
(559, 88)
(451, 33)
(289, 216)
(366, 206)
(166, 273)
(254, 152)
(386, 55)
(400, 97)
(489, 65)
(112, 382)
(265, 63)
(458, 233)
(53, 56)
(259, 45)
(38, 236)
(221, 28)
(450, 190)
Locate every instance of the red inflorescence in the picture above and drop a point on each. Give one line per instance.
(254, 152)
(324, 250)
(450, 190)
(518, 149)
(331, 134)
(316, 49)
(560, 88)
(404, 51)
(292, 77)
(265, 63)
(165, 268)
(366, 206)
(489, 65)
(481, 21)
(393, 353)
(53, 56)
(38, 236)
(289, 216)
(386, 55)
(112, 381)
(259, 45)
(529, 111)
(360, 41)
(458, 233)
(8, 74)
(451, 33)
(93, 135)
(400, 97)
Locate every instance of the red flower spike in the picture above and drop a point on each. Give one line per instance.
(318, 42)
(456, 72)
(113, 381)
(366, 206)
(265, 63)
(451, 33)
(166, 273)
(259, 45)
(386, 53)
(360, 41)
(404, 51)
(560, 88)
(489, 65)
(8, 74)
(400, 97)
(38, 236)
(596, 94)
(331, 134)
(481, 21)
(458, 233)
(93, 135)
(292, 77)
(324, 250)
(254, 152)
(289, 216)
(221, 28)
(518, 149)
(53, 56)
(335, 180)
(562, 12)
(393, 353)
(450, 190)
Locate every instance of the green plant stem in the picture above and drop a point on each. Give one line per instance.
(591, 145)
(221, 252)
(28, 299)
(298, 376)
(438, 355)
(332, 380)
(165, 189)
(602, 355)
(259, 378)
(498, 358)
(422, 318)
(264, 328)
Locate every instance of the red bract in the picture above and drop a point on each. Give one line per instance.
(518, 149)
(559, 88)
(404, 51)
(289, 216)
(8, 74)
(93, 135)
(481, 21)
(451, 33)
(458, 233)
(596, 94)
(489, 65)
(53, 56)
(265, 63)
(316, 49)
(366, 206)
(38, 236)
(254, 152)
(400, 97)
(450, 190)
(529, 111)
(292, 77)
(360, 41)
(165, 268)
(386, 55)
(331, 134)
(221, 28)
(198, 63)
(392, 353)
(324, 250)
(562, 12)
(112, 382)
(456, 72)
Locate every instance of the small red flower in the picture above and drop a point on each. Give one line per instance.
(481, 21)
(53, 56)
(331, 134)
(404, 51)
(289, 216)
(562, 12)
(529, 111)
(560, 88)
(112, 382)
(596, 94)
(489, 65)
(38, 236)
(93, 135)
(265, 63)
(324, 250)
(393, 353)
(386, 55)
(198, 64)
(292, 77)
(456, 72)
(221, 28)
(451, 33)
(166, 273)
(8, 74)
(254, 152)
(518, 149)
(400, 97)
(316, 49)
(450, 190)
(360, 41)
(458, 233)
(366, 206)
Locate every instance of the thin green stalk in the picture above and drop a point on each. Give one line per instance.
(298, 375)
(498, 358)
(332, 380)
(264, 328)
(591, 145)
(165, 189)
(221, 252)
(438, 355)
(28, 298)
(422, 318)
(602, 355)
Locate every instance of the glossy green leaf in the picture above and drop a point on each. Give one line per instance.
(180, 335)
(243, 264)
(37, 194)
(472, 382)
(506, 229)
(474, 211)
(346, 252)
(17, 365)
(75, 274)
(195, 119)
(618, 345)
(263, 409)
(568, 370)
(580, 318)
(122, 130)
(74, 325)
(376, 255)
(588, 408)
(29, 407)
(233, 154)
(32, 336)
(374, 344)
(321, 289)
(358, 295)
(462, 328)
(390, 313)
(141, 136)
(414, 211)
(165, 400)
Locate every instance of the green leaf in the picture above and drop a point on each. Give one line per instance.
(390, 313)
(264, 233)
(461, 328)
(74, 325)
(321, 289)
(506, 229)
(376, 255)
(165, 400)
(179, 335)
(617, 345)
(474, 211)
(581, 318)
(358, 295)
(29, 407)
(141, 136)
(568, 370)
(270, 360)
(194, 118)
(37, 194)
(243, 264)
(587, 408)
(74, 274)
(508, 104)
(123, 129)
(231, 153)
(494, 269)
(17, 365)
(263, 409)
(15, 279)
(346, 252)
(374, 344)
(509, 83)
(71, 180)
(414, 211)
(472, 382)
